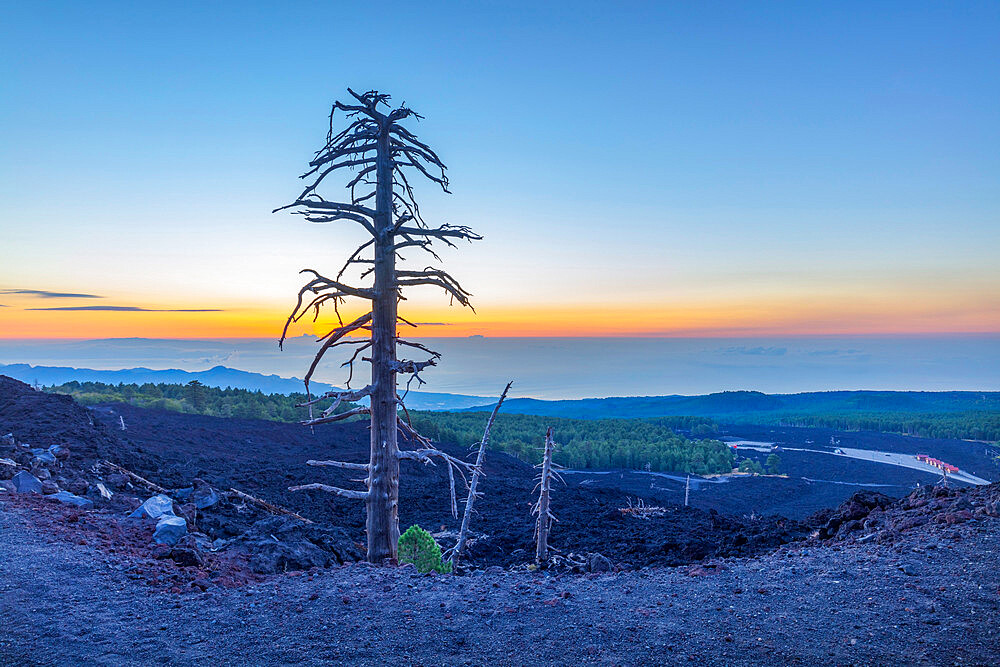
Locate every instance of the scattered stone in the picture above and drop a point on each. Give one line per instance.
(105, 492)
(40, 472)
(203, 584)
(43, 456)
(598, 563)
(59, 452)
(952, 518)
(49, 487)
(67, 498)
(78, 486)
(203, 495)
(25, 482)
(195, 540)
(186, 556)
(280, 544)
(117, 481)
(962, 504)
(7, 486)
(908, 569)
(9, 439)
(189, 512)
(154, 508)
(169, 529)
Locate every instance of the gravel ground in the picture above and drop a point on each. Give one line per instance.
(933, 597)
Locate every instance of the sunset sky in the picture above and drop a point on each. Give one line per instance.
(697, 169)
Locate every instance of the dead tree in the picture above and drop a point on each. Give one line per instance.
(477, 472)
(541, 508)
(379, 157)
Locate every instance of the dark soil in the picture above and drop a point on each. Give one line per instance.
(265, 458)
(877, 580)
(929, 597)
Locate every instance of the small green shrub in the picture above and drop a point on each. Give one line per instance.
(417, 546)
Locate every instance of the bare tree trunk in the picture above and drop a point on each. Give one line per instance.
(379, 151)
(477, 472)
(383, 473)
(687, 489)
(544, 516)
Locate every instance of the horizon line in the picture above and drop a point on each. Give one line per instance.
(638, 336)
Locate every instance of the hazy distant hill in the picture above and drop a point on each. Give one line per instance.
(731, 404)
(219, 376)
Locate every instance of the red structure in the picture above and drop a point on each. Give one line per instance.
(946, 467)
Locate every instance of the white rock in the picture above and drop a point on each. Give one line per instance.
(154, 508)
(169, 529)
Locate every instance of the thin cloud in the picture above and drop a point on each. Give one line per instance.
(45, 294)
(135, 309)
(433, 324)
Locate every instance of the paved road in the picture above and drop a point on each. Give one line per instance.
(876, 456)
(909, 461)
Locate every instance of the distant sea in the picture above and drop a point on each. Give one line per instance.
(553, 368)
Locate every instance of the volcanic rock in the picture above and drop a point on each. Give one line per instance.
(154, 508)
(203, 495)
(25, 482)
(598, 563)
(61, 453)
(184, 556)
(279, 544)
(169, 529)
(67, 498)
(78, 486)
(189, 512)
(43, 456)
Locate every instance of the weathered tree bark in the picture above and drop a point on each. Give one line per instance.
(545, 517)
(477, 472)
(383, 472)
(378, 149)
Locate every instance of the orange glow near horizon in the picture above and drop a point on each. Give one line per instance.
(784, 318)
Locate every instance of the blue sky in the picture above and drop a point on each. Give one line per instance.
(689, 167)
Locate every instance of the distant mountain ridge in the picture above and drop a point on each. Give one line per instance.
(723, 405)
(218, 376)
(731, 404)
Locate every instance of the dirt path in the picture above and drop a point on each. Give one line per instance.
(62, 603)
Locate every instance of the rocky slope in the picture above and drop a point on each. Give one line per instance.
(931, 596)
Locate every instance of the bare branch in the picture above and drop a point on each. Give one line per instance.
(346, 493)
(331, 339)
(360, 410)
(339, 397)
(270, 507)
(443, 232)
(338, 464)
